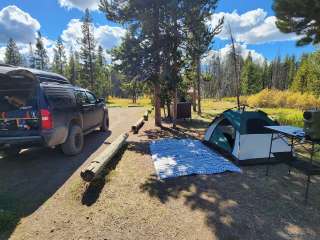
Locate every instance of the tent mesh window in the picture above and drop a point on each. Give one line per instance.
(224, 135)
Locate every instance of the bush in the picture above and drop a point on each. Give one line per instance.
(283, 99)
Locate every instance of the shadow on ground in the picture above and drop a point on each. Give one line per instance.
(246, 206)
(29, 180)
(241, 206)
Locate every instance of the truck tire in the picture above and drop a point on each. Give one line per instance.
(105, 124)
(10, 152)
(74, 143)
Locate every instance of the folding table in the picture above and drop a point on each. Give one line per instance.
(296, 137)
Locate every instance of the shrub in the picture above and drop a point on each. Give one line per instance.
(283, 99)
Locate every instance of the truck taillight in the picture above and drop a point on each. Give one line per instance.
(46, 119)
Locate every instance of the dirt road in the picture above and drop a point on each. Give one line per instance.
(38, 175)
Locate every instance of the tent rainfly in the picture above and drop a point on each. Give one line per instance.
(241, 135)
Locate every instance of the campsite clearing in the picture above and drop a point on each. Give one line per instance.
(131, 203)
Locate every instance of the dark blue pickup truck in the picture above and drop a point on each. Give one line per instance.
(39, 108)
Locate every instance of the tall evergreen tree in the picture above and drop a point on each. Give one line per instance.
(100, 57)
(59, 59)
(300, 17)
(103, 76)
(199, 35)
(288, 72)
(146, 17)
(276, 73)
(87, 53)
(128, 61)
(73, 67)
(307, 78)
(12, 54)
(250, 77)
(266, 75)
(41, 56)
(31, 57)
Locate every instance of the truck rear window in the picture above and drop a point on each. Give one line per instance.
(60, 97)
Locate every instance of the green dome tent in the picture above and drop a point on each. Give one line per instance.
(243, 136)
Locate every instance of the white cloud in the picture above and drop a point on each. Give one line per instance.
(80, 4)
(106, 36)
(240, 48)
(266, 32)
(252, 27)
(2, 54)
(17, 24)
(109, 37)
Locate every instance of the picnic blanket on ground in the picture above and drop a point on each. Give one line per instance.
(174, 158)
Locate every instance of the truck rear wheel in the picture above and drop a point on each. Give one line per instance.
(74, 143)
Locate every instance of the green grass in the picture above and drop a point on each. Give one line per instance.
(125, 102)
(285, 116)
(211, 108)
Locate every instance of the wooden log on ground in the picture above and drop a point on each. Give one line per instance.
(99, 163)
(146, 115)
(135, 128)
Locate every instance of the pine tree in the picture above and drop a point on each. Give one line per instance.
(12, 54)
(100, 58)
(199, 35)
(300, 17)
(41, 56)
(103, 76)
(307, 78)
(71, 69)
(251, 77)
(31, 58)
(147, 17)
(266, 75)
(276, 73)
(87, 53)
(59, 59)
(129, 58)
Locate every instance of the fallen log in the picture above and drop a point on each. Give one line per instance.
(135, 128)
(98, 164)
(146, 115)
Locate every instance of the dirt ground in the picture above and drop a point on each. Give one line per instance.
(131, 203)
(28, 182)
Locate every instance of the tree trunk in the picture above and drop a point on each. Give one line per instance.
(194, 96)
(199, 84)
(175, 102)
(169, 110)
(157, 90)
(157, 105)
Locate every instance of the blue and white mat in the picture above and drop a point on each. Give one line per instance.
(174, 158)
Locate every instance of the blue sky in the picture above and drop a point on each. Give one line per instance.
(252, 23)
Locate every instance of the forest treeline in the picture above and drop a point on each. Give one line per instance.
(162, 50)
(288, 73)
